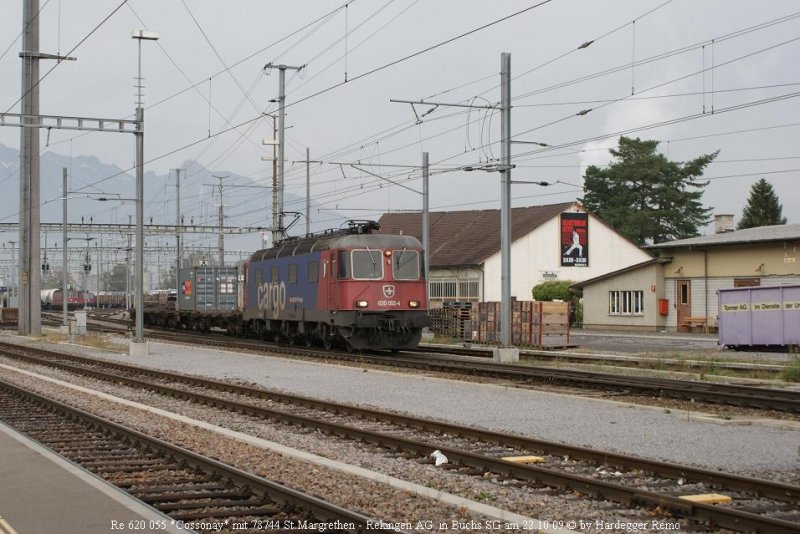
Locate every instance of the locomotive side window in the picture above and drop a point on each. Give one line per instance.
(344, 264)
(292, 273)
(259, 276)
(274, 274)
(313, 270)
(367, 264)
(405, 264)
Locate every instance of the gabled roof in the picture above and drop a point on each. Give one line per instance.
(760, 234)
(468, 237)
(636, 267)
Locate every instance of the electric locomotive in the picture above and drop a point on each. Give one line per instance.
(353, 287)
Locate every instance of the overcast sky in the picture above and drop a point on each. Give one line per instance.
(698, 75)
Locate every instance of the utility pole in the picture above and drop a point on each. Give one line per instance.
(308, 191)
(308, 161)
(178, 226)
(280, 231)
(64, 286)
(425, 235)
(11, 302)
(506, 352)
(128, 274)
(30, 280)
(505, 199)
(221, 238)
(30, 305)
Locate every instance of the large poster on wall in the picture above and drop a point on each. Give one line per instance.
(574, 239)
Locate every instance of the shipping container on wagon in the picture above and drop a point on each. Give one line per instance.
(208, 289)
(759, 316)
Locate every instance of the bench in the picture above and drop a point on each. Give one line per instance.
(695, 322)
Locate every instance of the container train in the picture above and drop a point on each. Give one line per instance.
(355, 288)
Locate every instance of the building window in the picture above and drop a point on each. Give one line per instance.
(626, 302)
(454, 289)
(746, 282)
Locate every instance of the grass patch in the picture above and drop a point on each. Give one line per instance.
(792, 371)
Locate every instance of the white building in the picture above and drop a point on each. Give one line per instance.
(465, 249)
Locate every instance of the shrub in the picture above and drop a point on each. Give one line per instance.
(553, 290)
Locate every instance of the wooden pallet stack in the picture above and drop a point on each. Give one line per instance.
(452, 320)
(533, 323)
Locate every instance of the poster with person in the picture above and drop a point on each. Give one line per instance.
(574, 239)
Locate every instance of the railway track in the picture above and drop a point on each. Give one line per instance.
(758, 505)
(695, 391)
(194, 491)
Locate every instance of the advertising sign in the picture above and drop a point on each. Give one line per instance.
(574, 239)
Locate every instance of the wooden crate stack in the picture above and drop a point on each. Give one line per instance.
(533, 323)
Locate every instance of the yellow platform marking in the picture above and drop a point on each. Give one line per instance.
(5, 528)
(524, 459)
(708, 498)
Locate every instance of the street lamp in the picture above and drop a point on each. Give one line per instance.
(138, 338)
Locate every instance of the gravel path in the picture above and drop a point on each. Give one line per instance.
(643, 431)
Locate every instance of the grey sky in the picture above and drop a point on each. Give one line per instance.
(356, 122)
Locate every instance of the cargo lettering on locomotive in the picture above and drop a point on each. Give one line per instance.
(272, 297)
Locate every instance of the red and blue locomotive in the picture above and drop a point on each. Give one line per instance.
(353, 287)
(356, 288)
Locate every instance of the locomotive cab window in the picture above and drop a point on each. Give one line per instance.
(405, 264)
(367, 264)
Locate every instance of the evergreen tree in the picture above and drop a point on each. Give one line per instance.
(646, 197)
(762, 207)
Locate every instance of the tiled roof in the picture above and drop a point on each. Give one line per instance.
(468, 237)
(760, 234)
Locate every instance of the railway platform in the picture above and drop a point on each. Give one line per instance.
(42, 493)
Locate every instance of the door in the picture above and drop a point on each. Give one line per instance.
(330, 267)
(683, 303)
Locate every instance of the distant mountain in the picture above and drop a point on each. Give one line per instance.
(109, 179)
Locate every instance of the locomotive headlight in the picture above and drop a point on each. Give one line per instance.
(413, 304)
(362, 304)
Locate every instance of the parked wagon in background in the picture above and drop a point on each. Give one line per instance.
(52, 299)
(760, 317)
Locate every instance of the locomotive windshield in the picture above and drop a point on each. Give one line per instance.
(405, 264)
(367, 264)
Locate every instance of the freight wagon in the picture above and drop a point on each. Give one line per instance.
(760, 317)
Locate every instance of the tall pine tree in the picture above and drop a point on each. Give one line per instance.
(646, 197)
(762, 207)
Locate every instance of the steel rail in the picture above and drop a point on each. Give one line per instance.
(319, 508)
(766, 488)
(726, 518)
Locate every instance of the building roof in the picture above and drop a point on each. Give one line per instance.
(468, 237)
(760, 234)
(636, 267)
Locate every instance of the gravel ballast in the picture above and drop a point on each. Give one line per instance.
(682, 437)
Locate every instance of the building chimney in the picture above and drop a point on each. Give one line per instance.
(723, 224)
